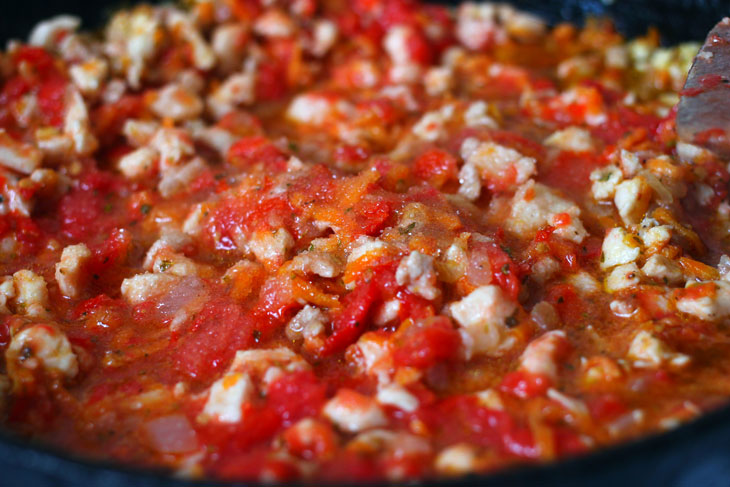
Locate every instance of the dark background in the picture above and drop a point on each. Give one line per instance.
(678, 20)
(697, 454)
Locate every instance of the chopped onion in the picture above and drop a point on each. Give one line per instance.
(171, 434)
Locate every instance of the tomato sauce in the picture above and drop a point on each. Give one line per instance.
(368, 241)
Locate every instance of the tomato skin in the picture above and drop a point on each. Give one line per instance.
(435, 342)
(296, 396)
(505, 272)
(606, 407)
(351, 154)
(570, 171)
(318, 442)
(350, 323)
(51, 100)
(463, 419)
(40, 59)
(436, 166)
(109, 118)
(27, 232)
(271, 81)
(566, 301)
(372, 215)
(525, 385)
(256, 149)
(218, 331)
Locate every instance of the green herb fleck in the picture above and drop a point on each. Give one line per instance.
(145, 209)
(108, 208)
(407, 229)
(164, 265)
(256, 335)
(505, 269)
(506, 250)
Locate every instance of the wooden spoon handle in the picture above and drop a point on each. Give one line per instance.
(704, 109)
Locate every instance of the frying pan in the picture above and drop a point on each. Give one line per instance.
(695, 454)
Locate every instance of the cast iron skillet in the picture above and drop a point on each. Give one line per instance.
(696, 454)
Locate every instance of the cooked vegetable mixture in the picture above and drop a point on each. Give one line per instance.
(358, 240)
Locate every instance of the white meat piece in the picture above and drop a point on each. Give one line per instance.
(173, 145)
(90, 75)
(629, 162)
(438, 80)
(395, 43)
(52, 144)
(70, 270)
(459, 459)
(430, 127)
(416, 270)
(535, 206)
(7, 293)
(135, 38)
(203, 56)
(397, 396)
(584, 283)
(374, 357)
(138, 289)
(31, 294)
(177, 103)
(43, 346)
(267, 365)
(324, 36)
(541, 355)
(653, 235)
(308, 324)
(311, 109)
(274, 23)
(632, 199)
(619, 247)
(321, 263)
(648, 351)
(352, 412)
(498, 163)
(236, 90)
(271, 247)
(470, 183)
(482, 314)
(138, 163)
(714, 306)
(176, 179)
(477, 25)
(161, 257)
(574, 139)
(193, 224)
(77, 125)
(47, 33)
(227, 396)
(544, 269)
(217, 138)
(366, 246)
(226, 43)
(18, 156)
(605, 179)
(663, 269)
(623, 277)
(139, 132)
(476, 115)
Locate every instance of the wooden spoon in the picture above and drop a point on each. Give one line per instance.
(703, 118)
